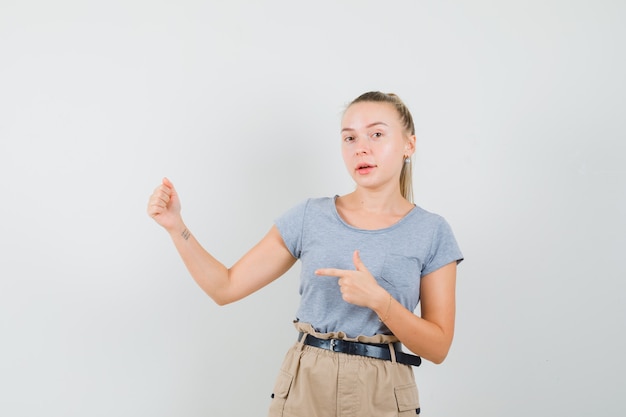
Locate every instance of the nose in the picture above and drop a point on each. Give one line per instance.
(362, 147)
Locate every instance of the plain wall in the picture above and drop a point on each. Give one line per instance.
(520, 111)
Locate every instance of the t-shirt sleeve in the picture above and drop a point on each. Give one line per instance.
(444, 248)
(290, 226)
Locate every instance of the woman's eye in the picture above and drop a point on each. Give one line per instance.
(377, 135)
(348, 139)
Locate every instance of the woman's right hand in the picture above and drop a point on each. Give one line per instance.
(164, 206)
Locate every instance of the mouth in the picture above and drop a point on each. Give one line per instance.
(365, 168)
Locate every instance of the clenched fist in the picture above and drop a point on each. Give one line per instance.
(164, 206)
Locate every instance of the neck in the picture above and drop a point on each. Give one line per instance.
(377, 201)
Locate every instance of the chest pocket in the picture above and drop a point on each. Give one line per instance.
(401, 272)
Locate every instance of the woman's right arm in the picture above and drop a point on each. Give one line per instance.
(264, 263)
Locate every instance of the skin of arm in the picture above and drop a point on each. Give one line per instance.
(262, 264)
(429, 336)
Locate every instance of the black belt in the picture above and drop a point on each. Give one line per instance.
(371, 350)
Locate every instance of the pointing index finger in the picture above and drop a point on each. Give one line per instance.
(329, 272)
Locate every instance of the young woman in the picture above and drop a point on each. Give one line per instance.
(368, 258)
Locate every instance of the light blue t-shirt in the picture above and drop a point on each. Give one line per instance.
(397, 256)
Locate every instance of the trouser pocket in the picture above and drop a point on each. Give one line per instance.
(408, 400)
(280, 394)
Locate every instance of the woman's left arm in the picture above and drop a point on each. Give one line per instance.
(428, 336)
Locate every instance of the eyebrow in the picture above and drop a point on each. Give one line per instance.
(368, 126)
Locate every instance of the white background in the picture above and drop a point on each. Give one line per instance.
(520, 110)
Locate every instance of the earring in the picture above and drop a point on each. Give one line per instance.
(407, 160)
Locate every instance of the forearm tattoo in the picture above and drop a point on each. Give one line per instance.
(185, 234)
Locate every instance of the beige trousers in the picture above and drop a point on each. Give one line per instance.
(315, 382)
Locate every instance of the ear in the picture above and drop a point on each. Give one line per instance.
(409, 149)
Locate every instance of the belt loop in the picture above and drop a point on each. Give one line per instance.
(301, 338)
(392, 352)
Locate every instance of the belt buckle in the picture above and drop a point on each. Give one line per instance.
(333, 344)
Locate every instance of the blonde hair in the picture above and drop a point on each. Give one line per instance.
(406, 175)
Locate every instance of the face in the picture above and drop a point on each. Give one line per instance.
(374, 144)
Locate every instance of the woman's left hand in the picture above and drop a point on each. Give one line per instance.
(358, 286)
